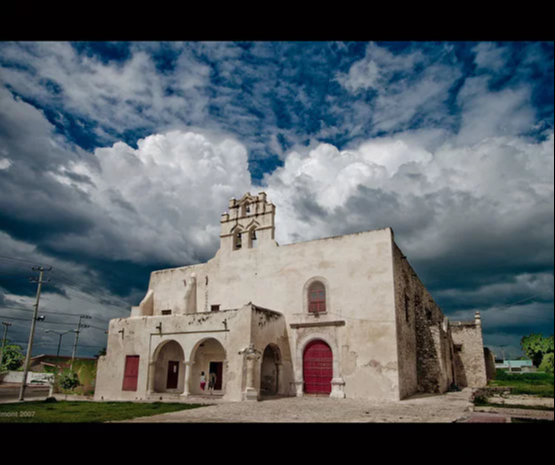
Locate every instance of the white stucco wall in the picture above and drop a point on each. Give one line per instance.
(357, 270)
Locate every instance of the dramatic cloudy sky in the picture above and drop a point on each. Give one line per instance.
(117, 159)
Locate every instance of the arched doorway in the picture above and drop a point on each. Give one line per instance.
(208, 357)
(317, 368)
(169, 368)
(269, 371)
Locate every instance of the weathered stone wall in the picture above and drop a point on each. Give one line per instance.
(469, 351)
(405, 317)
(490, 363)
(423, 338)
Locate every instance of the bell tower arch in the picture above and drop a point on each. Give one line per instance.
(249, 223)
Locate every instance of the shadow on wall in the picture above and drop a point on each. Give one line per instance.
(434, 373)
(490, 364)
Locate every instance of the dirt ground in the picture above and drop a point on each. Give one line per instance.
(446, 408)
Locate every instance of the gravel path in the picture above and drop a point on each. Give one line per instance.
(445, 408)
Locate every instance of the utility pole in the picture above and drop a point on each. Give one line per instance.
(7, 325)
(60, 338)
(40, 282)
(77, 331)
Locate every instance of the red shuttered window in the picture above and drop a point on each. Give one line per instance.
(131, 374)
(317, 297)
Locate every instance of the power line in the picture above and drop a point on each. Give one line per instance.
(100, 329)
(40, 344)
(83, 284)
(2, 257)
(69, 281)
(43, 322)
(85, 288)
(42, 311)
(49, 311)
(523, 300)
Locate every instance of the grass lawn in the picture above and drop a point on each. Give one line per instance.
(536, 384)
(84, 412)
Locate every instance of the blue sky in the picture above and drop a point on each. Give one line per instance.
(117, 159)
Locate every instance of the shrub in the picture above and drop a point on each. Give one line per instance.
(69, 380)
(13, 358)
(547, 364)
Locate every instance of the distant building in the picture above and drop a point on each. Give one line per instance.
(345, 316)
(516, 366)
(40, 362)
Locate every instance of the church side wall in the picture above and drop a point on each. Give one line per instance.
(423, 337)
(405, 319)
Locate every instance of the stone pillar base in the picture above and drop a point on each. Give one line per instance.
(297, 388)
(250, 394)
(337, 388)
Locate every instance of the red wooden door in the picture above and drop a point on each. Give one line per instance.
(318, 368)
(131, 374)
(173, 375)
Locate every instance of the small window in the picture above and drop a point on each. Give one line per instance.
(215, 308)
(131, 374)
(317, 298)
(254, 239)
(166, 312)
(458, 347)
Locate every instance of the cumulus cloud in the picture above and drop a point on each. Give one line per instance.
(501, 179)
(477, 222)
(163, 200)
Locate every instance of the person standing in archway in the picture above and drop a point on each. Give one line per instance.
(212, 382)
(202, 381)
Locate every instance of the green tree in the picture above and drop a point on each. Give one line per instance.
(547, 363)
(535, 346)
(13, 357)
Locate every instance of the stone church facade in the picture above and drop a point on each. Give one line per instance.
(342, 317)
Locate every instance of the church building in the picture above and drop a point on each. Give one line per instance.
(344, 317)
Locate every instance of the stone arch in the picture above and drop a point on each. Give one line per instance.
(307, 286)
(337, 380)
(208, 354)
(168, 368)
(252, 237)
(237, 237)
(270, 370)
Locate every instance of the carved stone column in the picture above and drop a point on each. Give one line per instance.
(151, 374)
(251, 356)
(297, 387)
(188, 369)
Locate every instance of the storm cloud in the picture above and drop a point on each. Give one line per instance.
(117, 159)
